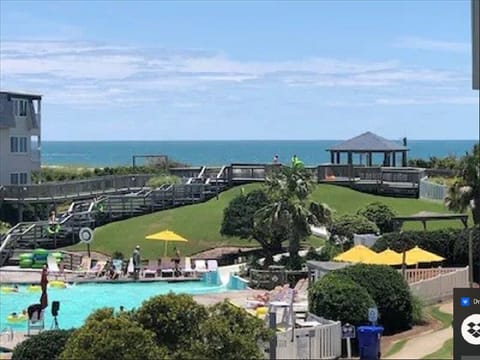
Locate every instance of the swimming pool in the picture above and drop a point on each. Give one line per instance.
(79, 300)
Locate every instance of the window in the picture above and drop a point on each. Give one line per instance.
(20, 107)
(23, 144)
(23, 178)
(14, 144)
(14, 179)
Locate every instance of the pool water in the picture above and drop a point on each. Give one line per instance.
(80, 300)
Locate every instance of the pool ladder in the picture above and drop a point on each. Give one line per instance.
(7, 331)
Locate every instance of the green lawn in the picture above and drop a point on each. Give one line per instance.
(445, 352)
(200, 223)
(396, 347)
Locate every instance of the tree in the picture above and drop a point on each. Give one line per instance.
(174, 319)
(322, 212)
(346, 225)
(288, 191)
(229, 332)
(112, 337)
(239, 220)
(380, 214)
(466, 192)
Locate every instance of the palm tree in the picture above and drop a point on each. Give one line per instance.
(465, 193)
(288, 190)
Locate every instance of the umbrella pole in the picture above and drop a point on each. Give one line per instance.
(166, 242)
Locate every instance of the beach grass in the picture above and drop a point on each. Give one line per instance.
(200, 223)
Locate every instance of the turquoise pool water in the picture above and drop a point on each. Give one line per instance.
(78, 301)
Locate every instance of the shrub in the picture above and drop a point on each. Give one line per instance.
(174, 319)
(118, 255)
(229, 332)
(4, 226)
(418, 317)
(389, 291)
(329, 251)
(346, 225)
(45, 346)
(380, 214)
(337, 297)
(115, 337)
(160, 180)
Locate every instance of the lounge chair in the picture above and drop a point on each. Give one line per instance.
(166, 266)
(187, 268)
(152, 269)
(85, 265)
(200, 266)
(97, 269)
(212, 265)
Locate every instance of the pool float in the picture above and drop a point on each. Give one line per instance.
(6, 289)
(18, 318)
(34, 288)
(57, 284)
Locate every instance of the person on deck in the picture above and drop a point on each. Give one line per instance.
(136, 262)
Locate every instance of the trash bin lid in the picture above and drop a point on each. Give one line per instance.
(370, 329)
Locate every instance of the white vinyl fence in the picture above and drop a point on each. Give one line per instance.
(320, 342)
(432, 191)
(440, 287)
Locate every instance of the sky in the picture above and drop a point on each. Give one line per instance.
(195, 70)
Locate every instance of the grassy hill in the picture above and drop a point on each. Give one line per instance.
(200, 223)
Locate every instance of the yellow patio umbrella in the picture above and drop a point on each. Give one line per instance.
(357, 254)
(389, 257)
(166, 236)
(418, 255)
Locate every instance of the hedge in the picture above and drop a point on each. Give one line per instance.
(390, 292)
(337, 297)
(47, 345)
(452, 244)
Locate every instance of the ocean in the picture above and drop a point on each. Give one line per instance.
(197, 153)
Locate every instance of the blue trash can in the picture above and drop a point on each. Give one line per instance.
(369, 342)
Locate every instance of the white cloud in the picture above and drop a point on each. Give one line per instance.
(451, 100)
(86, 72)
(412, 42)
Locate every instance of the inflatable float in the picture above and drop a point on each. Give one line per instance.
(16, 318)
(57, 284)
(8, 289)
(34, 288)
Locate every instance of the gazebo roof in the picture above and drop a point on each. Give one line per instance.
(368, 142)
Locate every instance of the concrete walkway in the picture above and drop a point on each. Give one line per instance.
(426, 343)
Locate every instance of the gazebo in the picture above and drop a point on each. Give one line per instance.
(368, 144)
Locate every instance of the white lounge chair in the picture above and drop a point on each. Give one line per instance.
(152, 269)
(212, 265)
(200, 266)
(53, 268)
(97, 269)
(187, 269)
(166, 266)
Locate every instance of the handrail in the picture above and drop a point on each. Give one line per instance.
(221, 172)
(202, 172)
(9, 331)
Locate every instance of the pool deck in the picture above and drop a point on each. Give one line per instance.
(15, 275)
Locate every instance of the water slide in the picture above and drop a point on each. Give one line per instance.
(320, 231)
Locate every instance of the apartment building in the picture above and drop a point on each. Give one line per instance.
(20, 139)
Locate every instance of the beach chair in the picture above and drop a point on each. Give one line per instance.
(97, 269)
(212, 265)
(36, 320)
(118, 265)
(187, 267)
(166, 266)
(200, 266)
(152, 269)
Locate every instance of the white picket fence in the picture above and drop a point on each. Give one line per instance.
(321, 342)
(440, 287)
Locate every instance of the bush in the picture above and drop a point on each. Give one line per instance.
(160, 180)
(329, 251)
(337, 297)
(118, 255)
(45, 346)
(418, 317)
(229, 332)
(4, 227)
(380, 214)
(115, 337)
(174, 319)
(389, 291)
(346, 225)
